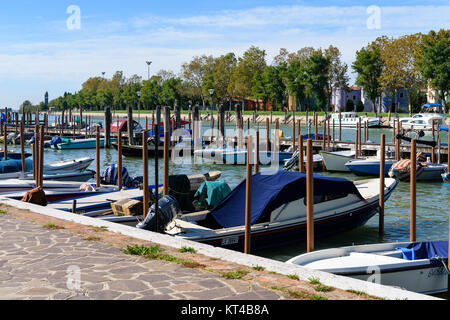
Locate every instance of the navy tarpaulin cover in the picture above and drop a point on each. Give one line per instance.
(425, 250)
(271, 191)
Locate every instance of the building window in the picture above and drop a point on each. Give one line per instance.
(354, 98)
(401, 94)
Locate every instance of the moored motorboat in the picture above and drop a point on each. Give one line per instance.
(81, 144)
(68, 165)
(335, 161)
(369, 166)
(407, 265)
(425, 171)
(351, 119)
(231, 156)
(100, 204)
(279, 211)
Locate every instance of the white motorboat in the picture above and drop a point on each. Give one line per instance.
(335, 161)
(424, 120)
(351, 119)
(279, 211)
(68, 165)
(410, 266)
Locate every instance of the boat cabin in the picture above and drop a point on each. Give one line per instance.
(122, 125)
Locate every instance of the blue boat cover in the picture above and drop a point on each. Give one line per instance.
(425, 250)
(431, 105)
(270, 191)
(15, 165)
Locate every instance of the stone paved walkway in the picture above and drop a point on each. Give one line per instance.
(37, 263)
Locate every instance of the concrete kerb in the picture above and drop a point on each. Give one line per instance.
(303, 273)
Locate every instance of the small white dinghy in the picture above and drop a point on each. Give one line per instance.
(69, 165)
(407, 265)
(335, 161)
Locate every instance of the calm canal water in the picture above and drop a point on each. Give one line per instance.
(433, 199)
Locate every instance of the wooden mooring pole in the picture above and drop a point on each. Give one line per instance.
(145, 182)
(257, 152)
(300, 155)
(41, 157)
(97, 157)
(309, 197)
(413, 192)
(22, 144)
(248, 199)
(166, 149)
(5, 142)
(119, 159)
(382, 175)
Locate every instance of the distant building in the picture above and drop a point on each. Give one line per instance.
(340, 97)
(46, 99)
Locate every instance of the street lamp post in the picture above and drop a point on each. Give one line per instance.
(139, 105)
(211, 92)
(149, 63)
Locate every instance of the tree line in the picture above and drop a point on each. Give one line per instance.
(384, 66)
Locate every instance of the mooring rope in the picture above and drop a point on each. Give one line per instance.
(442, 260)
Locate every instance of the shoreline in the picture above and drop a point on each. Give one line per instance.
(247, 115)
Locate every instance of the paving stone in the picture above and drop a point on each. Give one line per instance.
(127, 285)
(34, 264)
(104, 295)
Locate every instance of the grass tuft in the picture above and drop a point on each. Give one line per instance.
(148, 252)
(314, 280)
(187, 250)
(92, 239)
(323, 288)
(259, 268)
(235, 274)
(52, 226)
(293, 277)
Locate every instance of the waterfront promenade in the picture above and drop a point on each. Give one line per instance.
(43, 258)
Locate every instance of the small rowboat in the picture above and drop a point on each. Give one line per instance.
(81, 144)
(68, 165)
(416, 267)
(79, 176)
(335, 161)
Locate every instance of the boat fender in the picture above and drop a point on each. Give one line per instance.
(168, 210)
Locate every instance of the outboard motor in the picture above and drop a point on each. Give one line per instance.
(167, 212)
(111, 176)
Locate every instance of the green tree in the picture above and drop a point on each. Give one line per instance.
(434, 62)
(337, 72)
(369, 66)
(316, 78)
(252, 62)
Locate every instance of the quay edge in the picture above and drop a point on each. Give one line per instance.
(303, 273)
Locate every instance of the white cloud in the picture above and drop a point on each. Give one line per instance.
(169, 42)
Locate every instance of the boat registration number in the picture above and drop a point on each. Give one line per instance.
(229, 241)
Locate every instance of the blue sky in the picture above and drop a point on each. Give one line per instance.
(40, 53)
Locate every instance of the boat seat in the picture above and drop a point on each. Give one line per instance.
(393, 254)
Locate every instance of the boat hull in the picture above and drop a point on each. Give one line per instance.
(368, 168)
(429, 173)
(82, 144)
(288, 233)
(335, 161)
(382, 263)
